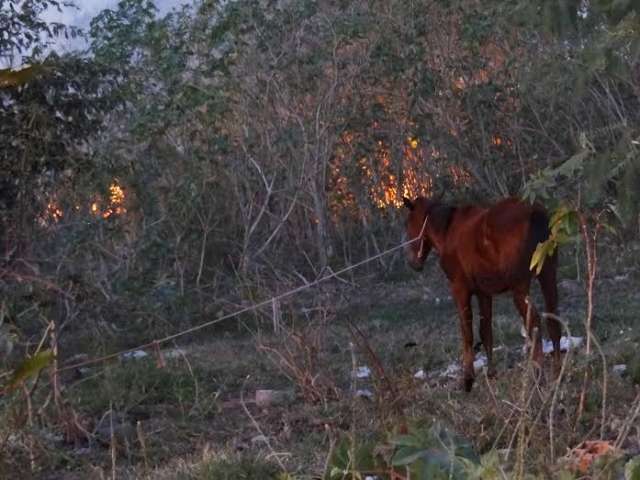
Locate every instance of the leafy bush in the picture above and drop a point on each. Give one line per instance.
(434, 453)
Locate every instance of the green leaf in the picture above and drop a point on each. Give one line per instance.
(348, 459)
(558, 215)
(30, 367)
(542, 251)
(537, 259)
(632, 469)
(434, 454)
(575, 163)
(407, 456)
(407, 441)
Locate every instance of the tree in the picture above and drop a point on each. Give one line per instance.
(25, 33)
(48, 110)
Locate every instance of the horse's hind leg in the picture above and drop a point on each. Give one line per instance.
(549, 287)
(531, 322)
(486, 331)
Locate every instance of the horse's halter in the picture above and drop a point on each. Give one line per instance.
(424, 228)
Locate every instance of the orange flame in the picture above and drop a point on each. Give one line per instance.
(54, 211)
(116, 201)
(114, 207)
(385, 183)
(52, 214)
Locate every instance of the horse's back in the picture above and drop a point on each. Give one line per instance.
(498, 242)
(518, 227)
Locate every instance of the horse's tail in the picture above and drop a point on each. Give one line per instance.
(539, 225)
(539, 232)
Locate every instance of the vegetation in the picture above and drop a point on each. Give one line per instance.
(191, 165)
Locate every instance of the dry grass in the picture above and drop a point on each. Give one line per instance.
(187, 420)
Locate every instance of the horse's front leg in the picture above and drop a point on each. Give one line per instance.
(463, 302)
(486, 331)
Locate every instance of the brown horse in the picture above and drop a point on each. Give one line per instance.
(483, 252)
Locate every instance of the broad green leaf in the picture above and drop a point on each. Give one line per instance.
(436, 453)
(407, 441)
(30, 367)
(407, 456)
(537, 259)
(632, 469)
(574, 164)
(558, 215)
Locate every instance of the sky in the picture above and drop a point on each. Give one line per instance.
(85, 11)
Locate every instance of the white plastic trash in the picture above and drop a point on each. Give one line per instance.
(135, 355)
(364, 393)
(566, 343)
(420, 375)
(480, 362)
(619, 369)
(451, 371)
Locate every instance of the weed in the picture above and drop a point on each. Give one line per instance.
(220, 466)
(236, 469)
(141, 382)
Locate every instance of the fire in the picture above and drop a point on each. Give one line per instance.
(116, 201)
(54, 212)
(116, 194)
(384, 182)
(114, 207)
(500, 141)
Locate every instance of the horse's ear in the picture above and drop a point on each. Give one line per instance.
(407, 203)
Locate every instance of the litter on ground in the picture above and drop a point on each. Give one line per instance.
(582, 457)
(619, 369)
(480, 362)
(451, 371)
(566, 343)
(364, 393)
(135, 355)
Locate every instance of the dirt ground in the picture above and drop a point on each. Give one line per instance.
(362, 361)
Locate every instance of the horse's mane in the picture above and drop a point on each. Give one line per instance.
(440, 215)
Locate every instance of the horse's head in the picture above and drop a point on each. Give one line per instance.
(416, 227)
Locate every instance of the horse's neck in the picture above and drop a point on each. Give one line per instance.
(440, 219)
